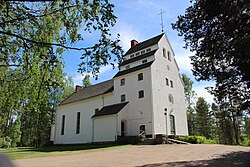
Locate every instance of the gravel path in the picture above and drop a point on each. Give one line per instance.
(149, 156)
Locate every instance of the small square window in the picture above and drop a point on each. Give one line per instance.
(171, 84)
(144, 61)
(140, 76)
(122, 81)
(148, 50)
(141, 94)
(127, 67)
(142, 52)
(131, 56)
(123, 98)
(137, 54)
(167, 82)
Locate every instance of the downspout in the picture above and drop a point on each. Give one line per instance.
(93, 129)
(152, 107)
(116, 137)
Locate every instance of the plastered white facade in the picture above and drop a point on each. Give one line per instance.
(152, 111)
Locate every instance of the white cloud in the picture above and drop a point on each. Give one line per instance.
(200, 90)
(127, 33)
(77, 78)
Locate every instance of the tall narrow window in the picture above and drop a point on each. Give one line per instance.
(63, 124)
(123, 98)
(171, 84)
(122, 81)
(164, 53)
(141, 94)
(169, 56)
(167, 82)
(78, 123)
(140, 76)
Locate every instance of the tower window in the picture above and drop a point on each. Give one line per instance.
(167, 83)
(169, 56)
(171, 84)
(122, 81)
(142, 52)
(140, 76)
(123, 98)
(144, 61)
(164, 53)
(141, 94)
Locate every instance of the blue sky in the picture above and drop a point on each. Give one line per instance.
(140, 20)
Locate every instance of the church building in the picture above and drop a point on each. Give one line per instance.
(146, 97)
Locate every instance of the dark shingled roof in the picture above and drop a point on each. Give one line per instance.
(109, 110)
(138, 58)
(91, 91)
(145, 65)
(145, 44)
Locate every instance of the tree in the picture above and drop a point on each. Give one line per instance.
(59, 23)
(190, 95)
(202, 118)
(86, 81)
(218, 32)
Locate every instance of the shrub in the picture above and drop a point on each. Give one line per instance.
(192, 139)
(5, 142)
(210, 141)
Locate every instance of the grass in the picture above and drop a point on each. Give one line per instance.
(30, 152)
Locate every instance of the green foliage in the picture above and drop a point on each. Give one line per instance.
(244, 140)
(192, 139)
(190, 96)
(33, 37)
(209, 141)
(206, 25)
(202, 118)
(5, 142)
(86, 81)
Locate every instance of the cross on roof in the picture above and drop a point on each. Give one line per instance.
(161, 20)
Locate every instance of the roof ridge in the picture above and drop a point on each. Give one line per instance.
(147, 43)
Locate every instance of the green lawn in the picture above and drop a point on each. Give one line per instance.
(30, 152)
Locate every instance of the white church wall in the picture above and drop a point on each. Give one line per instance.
(139, 110)
(163, 68)
(105, 128)
(87, 110)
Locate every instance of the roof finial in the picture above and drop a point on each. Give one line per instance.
(161, 20)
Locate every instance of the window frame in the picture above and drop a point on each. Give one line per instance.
(123, 98)
(78, 122)
(141, 94)
(140, 77)
(164, 53)
(171, 84)
(63, 125)
(122, 82)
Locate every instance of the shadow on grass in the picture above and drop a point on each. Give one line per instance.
(234, 159)
(61, 148)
